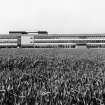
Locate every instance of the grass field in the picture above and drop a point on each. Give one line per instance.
(78, 53)
(42, 80)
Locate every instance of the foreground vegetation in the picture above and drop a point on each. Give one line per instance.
(52, 80)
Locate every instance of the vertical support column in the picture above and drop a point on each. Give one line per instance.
(34, 41)
(19, 41)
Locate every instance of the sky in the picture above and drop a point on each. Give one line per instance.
(54, 16)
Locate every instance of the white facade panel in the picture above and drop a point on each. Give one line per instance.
(52, 43)
(96, 43)
(67, 39)
(8, 44)
(8, 40)
(27, 40)
(46, 44)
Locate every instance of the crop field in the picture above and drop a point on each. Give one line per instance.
(52, 76)
(79, 52)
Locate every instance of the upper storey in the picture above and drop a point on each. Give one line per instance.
(45, 35)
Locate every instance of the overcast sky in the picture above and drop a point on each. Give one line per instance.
(55, 16)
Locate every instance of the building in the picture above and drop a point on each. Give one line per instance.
(42, 39)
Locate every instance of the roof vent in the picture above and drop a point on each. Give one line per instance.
(18, 32)
(42, 32)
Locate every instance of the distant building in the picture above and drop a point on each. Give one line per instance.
(41, 39)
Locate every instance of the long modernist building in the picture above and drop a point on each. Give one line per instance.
(41, 39)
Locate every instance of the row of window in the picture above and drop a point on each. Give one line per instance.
(69, 41)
